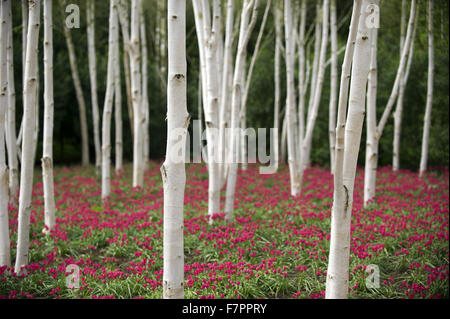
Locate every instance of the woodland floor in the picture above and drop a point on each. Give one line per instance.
(276, 248)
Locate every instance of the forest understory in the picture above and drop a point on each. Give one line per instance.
(277, 247)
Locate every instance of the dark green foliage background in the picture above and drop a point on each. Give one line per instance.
(67, 136)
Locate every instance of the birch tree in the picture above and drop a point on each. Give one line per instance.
(136, 90)
(161, 41)
(346, 158)
(145, 103)
(276, 116)
(225, 90)
(109, 95)
(371, 121)
(5, 257)
(250, 8)
(243, 111)
(429, 103)
(316, 94)
(333, 83)
(47, 157)
(173, 169)
(313, 81)
(374, 131)
(29, 122)
(24, 6)
(207, 41)
(11, 113)
(125, 30)
(78, 91)
(302, 77)
(401, 93)
(118, 113)
(90, 17)
(294, 170)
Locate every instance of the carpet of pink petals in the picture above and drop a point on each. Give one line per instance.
(277, 247)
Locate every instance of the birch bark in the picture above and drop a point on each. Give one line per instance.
(302, 81)
(136, 88)
(276, 116)
(5, 257)
(246, 29)
(173, 171)
(401, 93)
(337, 274)
(125, 29)
(208, 50)
(78, 91)
(294, 172)
(374, 135)
(26, 178)
(118, 112)
(243, 110)
(224, 96)
(145, 103)
(313, 111)
(47, 158)
(109, 96)
(11, 114)
(429, 103)
(24, 50)
(90, 16)
(333, 83)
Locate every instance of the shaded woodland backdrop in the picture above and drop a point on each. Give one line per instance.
(67, 136)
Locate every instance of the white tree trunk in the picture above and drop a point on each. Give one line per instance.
(370, 169)
(163, 42)
(337, 273)
(427, 119)
(400, 71)
(374, 135)
(118, 114)
(197, 8)
(90, 17)
(11, 115)
(5, 24)
(314, 109)
(224, 94)
(315, 64)
(302, 81)
(78, 91)
(199, 118)
(305, 152)
(145, 103)
(125, 29)
(47, 157)
(210, 79)
(243, 111)
(136, 86)
(294, 172)
(276, 116)
(173, 171)
(333, 83)
(284, 137)
(36, 127)
(246, 29)
(109, 95)
(212, 110)
(26, 178)
(399, 107)
(24, 50)
(24, 35)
